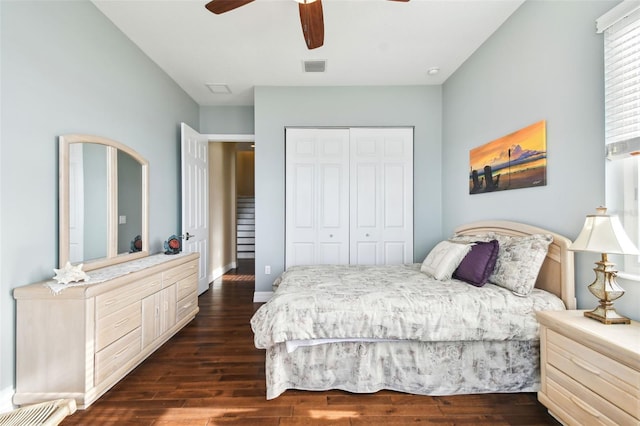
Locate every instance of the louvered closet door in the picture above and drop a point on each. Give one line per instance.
(317, 196)
(381, 202)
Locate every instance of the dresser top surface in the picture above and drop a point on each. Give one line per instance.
(620, 341)
(104, 279)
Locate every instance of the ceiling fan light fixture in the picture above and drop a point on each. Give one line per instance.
(305, 1)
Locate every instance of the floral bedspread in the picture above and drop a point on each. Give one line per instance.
(393, 302)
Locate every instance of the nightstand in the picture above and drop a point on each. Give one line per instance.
(590, 372)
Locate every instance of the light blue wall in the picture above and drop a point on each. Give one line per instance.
(544, 63)
(277, 107)
(234, 120)
(65, 68)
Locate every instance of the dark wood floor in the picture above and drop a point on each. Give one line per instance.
(210, 373)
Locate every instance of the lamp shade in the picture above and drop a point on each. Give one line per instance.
(603, 233)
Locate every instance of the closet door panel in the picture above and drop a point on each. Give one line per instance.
(364, 211)
(382, 193)
(333, 223)
(317, 196)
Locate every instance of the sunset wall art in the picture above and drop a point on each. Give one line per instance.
(517, 160)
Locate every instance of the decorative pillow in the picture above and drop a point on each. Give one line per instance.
(478, 264)
(519, 261)
(443, 259)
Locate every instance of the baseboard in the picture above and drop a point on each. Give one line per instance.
(6, 396)
(218, 272)
(262, 296)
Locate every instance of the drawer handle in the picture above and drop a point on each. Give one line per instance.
(585, 407)
(110, 302)
(187, 305)
(120, 352)
(121, 322)
(584, 366)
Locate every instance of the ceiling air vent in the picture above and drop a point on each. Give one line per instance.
(316, 65)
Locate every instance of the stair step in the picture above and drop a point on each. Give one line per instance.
(245, 234)
(246, 227)
(246, 216)
(246, 247)
(245, 240)
(246, 210)
(246, 221)
(251, 255)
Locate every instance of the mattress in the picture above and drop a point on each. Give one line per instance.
(393, 302)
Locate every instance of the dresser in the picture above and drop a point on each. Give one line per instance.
(590, 372)
(79, 340)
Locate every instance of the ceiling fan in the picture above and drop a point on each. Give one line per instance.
(311, 17)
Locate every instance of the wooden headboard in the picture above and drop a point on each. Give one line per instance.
(557, 272)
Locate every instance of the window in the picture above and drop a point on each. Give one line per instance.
(621, 28)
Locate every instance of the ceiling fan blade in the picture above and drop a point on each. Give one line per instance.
(222, 6)
(404, 1)
(312, 22)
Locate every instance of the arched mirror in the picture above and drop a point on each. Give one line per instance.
(103, 202)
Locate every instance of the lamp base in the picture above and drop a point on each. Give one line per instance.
(607, 290)
(607, 316)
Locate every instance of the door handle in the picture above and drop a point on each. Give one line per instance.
(187, 236)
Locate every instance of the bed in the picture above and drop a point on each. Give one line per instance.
(366, 328)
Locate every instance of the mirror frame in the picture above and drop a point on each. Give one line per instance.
(112, 257)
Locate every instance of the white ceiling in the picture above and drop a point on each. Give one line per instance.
(367, 42)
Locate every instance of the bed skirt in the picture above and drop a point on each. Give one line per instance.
(422, 368)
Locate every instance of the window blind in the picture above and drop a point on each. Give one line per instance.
(622, 86)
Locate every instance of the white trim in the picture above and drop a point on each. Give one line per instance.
(6, 403)
(262, 296)
(230, 138)
(218, 272)
(618, 13)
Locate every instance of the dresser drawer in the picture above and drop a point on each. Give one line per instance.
(584, 406)
(187, 305)
(116, 325)
(187, 285)
(116, 356)
(179, 272)
(604, 376)
(117, 299)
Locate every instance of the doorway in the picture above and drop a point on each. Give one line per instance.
(231, 206)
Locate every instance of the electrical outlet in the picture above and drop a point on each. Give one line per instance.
(122, 219)
(267, 270)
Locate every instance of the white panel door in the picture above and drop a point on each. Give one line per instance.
(195, 199)
(317, 196)
(381, 199)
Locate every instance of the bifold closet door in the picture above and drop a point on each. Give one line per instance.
(317, 196)
(381, 201)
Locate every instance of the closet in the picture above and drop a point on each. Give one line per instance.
(348, 196)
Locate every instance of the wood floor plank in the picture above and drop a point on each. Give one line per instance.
(210, 373)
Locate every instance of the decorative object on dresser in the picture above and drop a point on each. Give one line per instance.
(590, 373)
(603, 233)
(79, 342)
(172, 245)
(70, 273)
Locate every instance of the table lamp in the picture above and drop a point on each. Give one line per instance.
(603, 233)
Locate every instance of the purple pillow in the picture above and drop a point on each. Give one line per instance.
(478, 264)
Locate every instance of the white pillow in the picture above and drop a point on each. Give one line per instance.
(443, 259)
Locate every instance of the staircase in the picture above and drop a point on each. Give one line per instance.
(246, 228)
